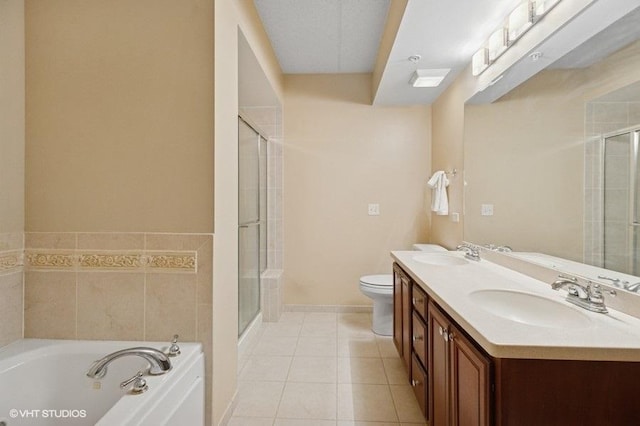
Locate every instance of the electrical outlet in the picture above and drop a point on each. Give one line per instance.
(374, 209)
(486, 210)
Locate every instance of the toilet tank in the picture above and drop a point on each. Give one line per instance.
(429, 248)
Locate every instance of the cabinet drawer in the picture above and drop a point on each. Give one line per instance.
(420, 301)
(419, 385)
(420, 338)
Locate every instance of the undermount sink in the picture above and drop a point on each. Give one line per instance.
(440, 259)
(529, 309)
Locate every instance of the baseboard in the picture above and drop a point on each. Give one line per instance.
(228, 413)
(329, 308)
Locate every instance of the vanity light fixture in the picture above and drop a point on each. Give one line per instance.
(428, 77)
(518, 22)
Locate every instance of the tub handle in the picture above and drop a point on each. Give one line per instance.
(174, 349)
(139, 384)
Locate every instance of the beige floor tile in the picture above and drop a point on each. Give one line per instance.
(349, 318)
(350, 331)
(354, 423)
(266, 368)
(358, 347)
(282, 329)
(406, 404)
(316, 346)
(320, 317)
(395, 371)
(361, 370)
(302, 422)
(365, 402)
(250, 421)
(258, 399)
(275, 346)
(293, 317)
(386, 347)
(308, 401)
(313, 370)
(318, 329)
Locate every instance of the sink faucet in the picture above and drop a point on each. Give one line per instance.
(632, 287)
(159, 362)
(471, 252)
(587, 296)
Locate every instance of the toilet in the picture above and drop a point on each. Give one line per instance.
(380, 289)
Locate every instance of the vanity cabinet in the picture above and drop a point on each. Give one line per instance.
(457, 383)
(460, 375)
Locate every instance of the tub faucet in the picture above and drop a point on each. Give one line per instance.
(158, 361)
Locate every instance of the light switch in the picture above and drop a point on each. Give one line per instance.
(374, 209)
(455, 217)
(486, 210)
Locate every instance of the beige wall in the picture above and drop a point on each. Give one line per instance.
(341, 153)
(447, 154)
(119, 115)
(230, 16)
(525, 154)
(11, 168)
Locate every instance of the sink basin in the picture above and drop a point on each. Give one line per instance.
(440, 259)
(529, 309)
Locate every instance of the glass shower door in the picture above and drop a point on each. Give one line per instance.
(248, 225)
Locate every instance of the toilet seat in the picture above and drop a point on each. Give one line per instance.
(377, 281)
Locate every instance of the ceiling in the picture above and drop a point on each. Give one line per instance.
(343, 36)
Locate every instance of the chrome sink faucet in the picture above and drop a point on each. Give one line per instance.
(471, 252)
(588, 296)
(159, 362)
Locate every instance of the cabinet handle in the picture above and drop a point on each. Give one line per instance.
(451, 337)
(414, 382)
(417, 338)
(440, 330)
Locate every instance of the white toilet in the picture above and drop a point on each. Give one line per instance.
(380, 289)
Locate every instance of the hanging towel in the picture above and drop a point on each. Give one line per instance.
(439, 200)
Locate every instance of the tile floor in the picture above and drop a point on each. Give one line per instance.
(323, 369)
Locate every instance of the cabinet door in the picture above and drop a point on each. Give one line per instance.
(470, 382)
(438, 350)
(397, 308)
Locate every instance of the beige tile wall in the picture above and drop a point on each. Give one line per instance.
(11, 287)
(118, 286)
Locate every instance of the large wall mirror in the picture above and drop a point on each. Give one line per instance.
(556, 159)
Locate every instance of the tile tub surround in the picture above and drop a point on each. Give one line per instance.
(11, 287)
(120, 286)
(323, 368)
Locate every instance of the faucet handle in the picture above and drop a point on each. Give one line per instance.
(174, 349)
(139, 384)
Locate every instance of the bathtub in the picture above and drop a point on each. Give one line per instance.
(44, 382)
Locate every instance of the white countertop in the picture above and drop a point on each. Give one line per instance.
(614, 336)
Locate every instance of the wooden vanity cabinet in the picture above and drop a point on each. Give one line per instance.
(460, 375)
(402, 330)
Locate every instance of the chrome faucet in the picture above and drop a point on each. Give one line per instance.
(159, 362)
(587, 296)
(471, 252)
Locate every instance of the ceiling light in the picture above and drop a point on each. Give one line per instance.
(497, 43)
(480, 61)
(428, 77)
(520, 20)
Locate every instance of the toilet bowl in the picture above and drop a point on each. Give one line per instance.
(379, 288)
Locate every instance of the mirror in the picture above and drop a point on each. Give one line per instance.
(555, 161)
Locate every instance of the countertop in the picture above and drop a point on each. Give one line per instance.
(614, 336)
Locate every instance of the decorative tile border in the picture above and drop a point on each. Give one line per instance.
(108, 260)
(11, 261)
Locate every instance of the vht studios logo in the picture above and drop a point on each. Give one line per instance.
(47, 414)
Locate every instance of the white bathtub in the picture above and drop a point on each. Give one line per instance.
(44, 382)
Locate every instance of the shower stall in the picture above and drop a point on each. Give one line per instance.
(621, 201)
(252, 220)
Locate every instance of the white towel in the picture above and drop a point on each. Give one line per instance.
(439, 200)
